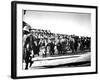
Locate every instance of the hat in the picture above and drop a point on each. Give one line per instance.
(26, 28)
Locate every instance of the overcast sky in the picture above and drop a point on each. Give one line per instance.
(60, 22)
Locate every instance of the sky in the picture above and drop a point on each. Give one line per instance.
(60, 22)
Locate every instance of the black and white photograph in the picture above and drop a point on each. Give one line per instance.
(54, 39)
(47, 44)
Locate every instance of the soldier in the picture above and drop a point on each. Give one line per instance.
(28, 57)
(76, 44)
(42, 47)
(29, 50)
(52, 45)
(59, 47)
(82, 44)
(72, 41)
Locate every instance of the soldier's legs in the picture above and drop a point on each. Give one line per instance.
(27, 62)
(31, 62)
(26, 67)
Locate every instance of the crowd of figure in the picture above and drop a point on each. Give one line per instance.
(43, 43)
